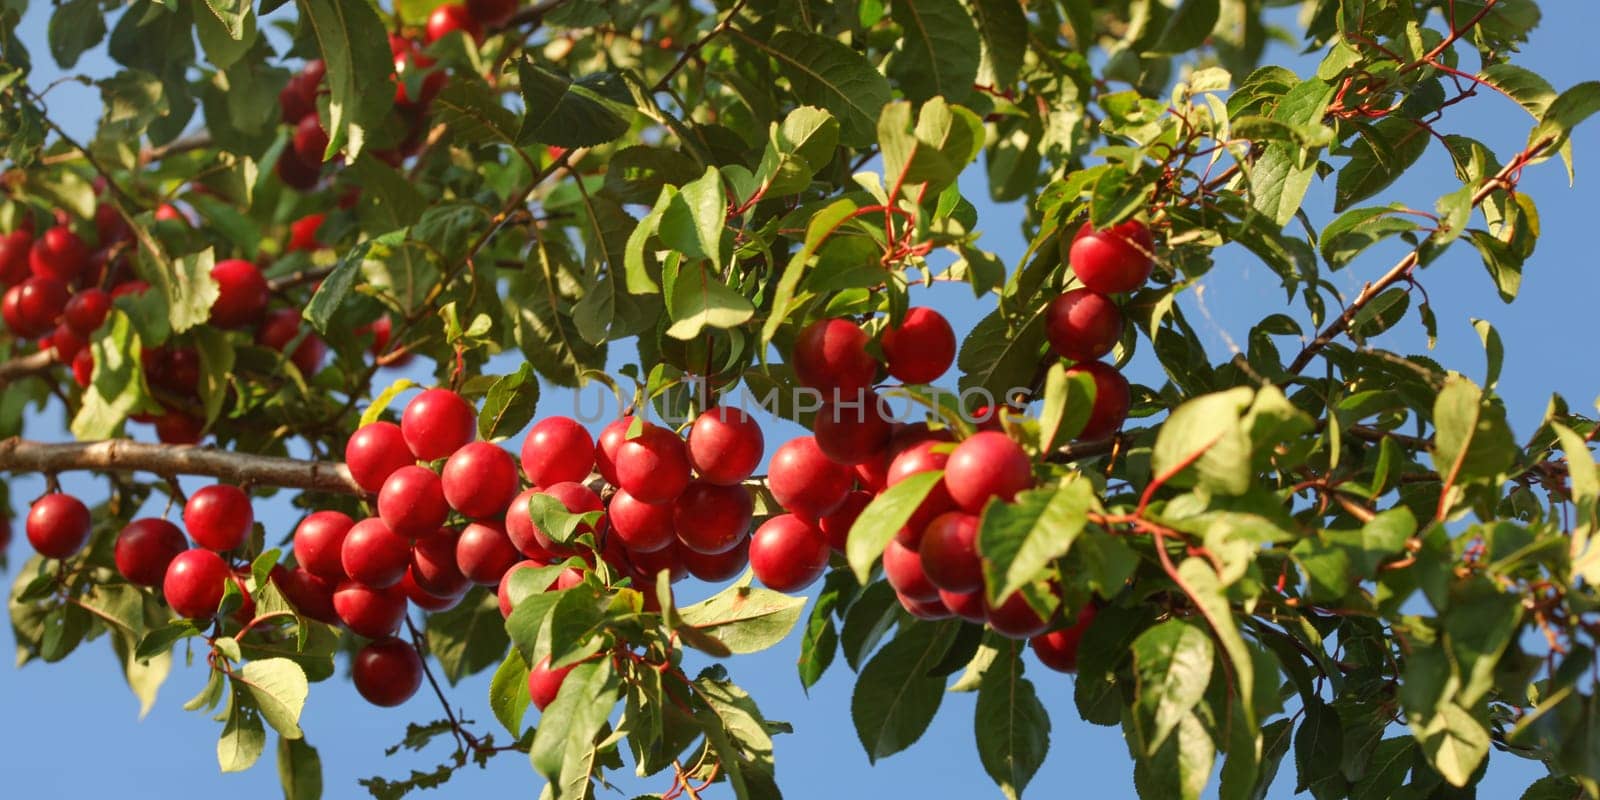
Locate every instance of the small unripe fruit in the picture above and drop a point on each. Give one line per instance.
(369, 612)
(1058, 650)
(387, 672)
(949, 552)
(1111, 399)
(242, 293)
(922, 348)
(1082, 325)
(484, 553)
(219, 517)
(557, 450)
(58, 525)
(712, 519)
(832, 354)
(987, 465)
(146, 547)
(725, 445)
(720, 567)
(788, 554)
(654, 466)
(412, 502)
(480, 479)
(544, 683)
(1118, 259)
(805, 481)
(437, 423)
(374, 452)
(642, 527)
(373, 555)
(194, 583)
(58, 254)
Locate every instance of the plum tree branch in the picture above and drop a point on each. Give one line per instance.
(125, 455)
(24, 366)
(1504, 179)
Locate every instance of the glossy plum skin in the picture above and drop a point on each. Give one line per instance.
(902, 566)
(369, 612)
(642, 527)
(1058, 649)
(242, 293)
(653, 466)
(319, 543)
(544, 683)
(805, 481)
(557, 450)
(373, 555)
(436, 423)
(949, 552)
(219, 517)
(711, 519)
(986, 465)
(831, 354)
(606, 446)
(1112, 397)
(788, 554)
(434, 567)
(479, 480)
(374, 452)
(58, 525)
(387, 671)
(725, 445)
(194, 582)
(145, 548)
(1083, 325)
(484, 553)
(1118, 259)
(922, 348)
(855, 431)
(925, 456)
(412, 502)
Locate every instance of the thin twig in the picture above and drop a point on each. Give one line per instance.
(126, 455)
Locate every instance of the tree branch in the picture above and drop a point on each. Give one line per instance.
(125, 455)
(1504, 179)
(24, 366)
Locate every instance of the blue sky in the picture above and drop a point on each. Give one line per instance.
(72, 728)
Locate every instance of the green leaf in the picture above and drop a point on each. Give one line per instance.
(882, 518)
(822, 223)
(508, 692)
(747, 619)
(692, 222)
(939, 49)
(118, 388)
(1472, 442)
(1356, 230)
(216, 366)
(1454, 740)
(1004, 29)
(1180, 768)
(637, 174)
(568, 727)
(509, 405)
(243, 736)
(820, 641)
(1379, 155)
(1188, 27)
(299, 770)
(796, 149)
(278, 687)
(360, 69)
(1019, 540)
(144, 675)
(945, 140)
(1570, 108)
(469, 638)
(825, 73)
(1172, 666)
(227, 31)
(75, 26)
(698, 299)
(1317, 746)
(590, 110)
(189, 289)
(1207, 427)
(894, 699)
(1013, 727)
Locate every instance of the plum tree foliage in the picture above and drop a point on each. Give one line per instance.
(1311, 545)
